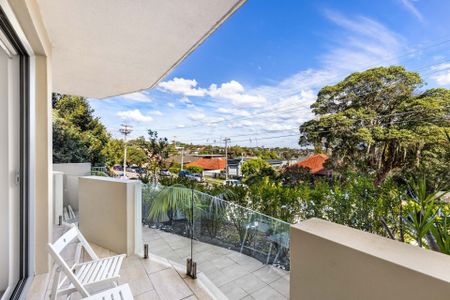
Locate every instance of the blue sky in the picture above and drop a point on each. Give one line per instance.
(254, 79)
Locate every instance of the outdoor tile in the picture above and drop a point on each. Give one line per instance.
(180, 268)
(151, 295)
(38, 287)
(183, 252)
(205, 256)
(137, 278)
(169, 285)
(162, 250)
(198, 289)
(248, 262)
(222, 262)
(233, 291)
(227, 274)
(282, 286)
(149, 237)
(267, 293)
(268, 274)
(152, 266)
(131, 262)
(249, 283)
(157, 243)
(207, 267)
(177, 244)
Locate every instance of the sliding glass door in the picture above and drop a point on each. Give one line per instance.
(13, 145)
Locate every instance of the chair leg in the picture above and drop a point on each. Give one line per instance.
(55, 284)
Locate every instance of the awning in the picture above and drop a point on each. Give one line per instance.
(110, 47)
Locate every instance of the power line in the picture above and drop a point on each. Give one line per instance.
(334, 125)
(292, 107)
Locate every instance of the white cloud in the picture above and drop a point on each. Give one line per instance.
(244, 123)
(156, 113)
(356, 44)
(235, 92)
(197, 116)
(205, 120)
(361, 43)
(364, 43)
(442, 75)
(138, 97)
(134, 115)
(443, 78)
(186, 87)
(277, 127)
(233, 111)
(408, 5)
(171, 104)
(232, 91)
(185, 100)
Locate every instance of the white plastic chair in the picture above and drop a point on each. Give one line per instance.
(81, 276)
(121, 292)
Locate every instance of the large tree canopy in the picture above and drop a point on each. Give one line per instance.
(256, 167)
(380, 122)
(114, 151)
(78, 136)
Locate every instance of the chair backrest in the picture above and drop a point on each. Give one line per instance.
(57, 247)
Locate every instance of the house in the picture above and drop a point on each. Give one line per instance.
(276, 163)
(316, 164)
(211, 165)
(235, 165)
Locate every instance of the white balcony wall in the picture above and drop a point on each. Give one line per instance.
(111, 213)
(72, 173)
(331, 261)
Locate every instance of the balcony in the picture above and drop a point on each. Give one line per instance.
(236, 253)
(152, 278)
(243, 252)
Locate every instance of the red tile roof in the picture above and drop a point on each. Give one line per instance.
(209, 163)
(315, 163)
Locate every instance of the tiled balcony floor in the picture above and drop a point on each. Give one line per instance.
(222, 273)
(153, 278)
(238, 276)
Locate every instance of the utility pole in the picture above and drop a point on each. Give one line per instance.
(125, 130)
(182, 157)
(226, 140)
(182, 152)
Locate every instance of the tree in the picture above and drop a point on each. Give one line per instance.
(68, 145)
(292, 175)
(157, 151)
(378, 122)
(255, 166)
(114, 150)
(78, 136)
(194, 169)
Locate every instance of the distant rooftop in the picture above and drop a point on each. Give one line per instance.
(209, 163)
(315, 163)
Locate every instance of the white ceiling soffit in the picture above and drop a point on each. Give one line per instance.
(104, 48)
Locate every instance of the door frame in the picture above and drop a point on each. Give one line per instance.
(24, 171)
